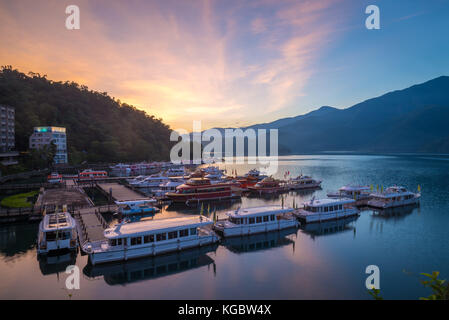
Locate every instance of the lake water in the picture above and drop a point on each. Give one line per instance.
(324, 261)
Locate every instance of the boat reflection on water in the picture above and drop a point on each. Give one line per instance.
(152, 268)
(396, 213)
(51, 264)
(261, 241)
(329, 227)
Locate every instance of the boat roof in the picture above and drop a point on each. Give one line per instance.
(131, 202)
(327, 201)
(153, 226)
(354, 188)
(391, 192)
(57, 221)
(254, 211)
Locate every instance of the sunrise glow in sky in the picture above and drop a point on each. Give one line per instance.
(229, 62)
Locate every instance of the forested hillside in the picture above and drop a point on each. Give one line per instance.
(99, 128)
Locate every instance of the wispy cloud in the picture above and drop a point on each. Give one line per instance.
(221, 62)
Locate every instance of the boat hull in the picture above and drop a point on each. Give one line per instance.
(241, 230)
(146, 250)
(306, 217)
(393, 204)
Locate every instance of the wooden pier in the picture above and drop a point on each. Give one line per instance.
(91, 224)
(119, 192)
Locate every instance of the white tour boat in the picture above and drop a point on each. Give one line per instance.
(57, 232)
(176, 172)
(303, 182)
(361, 194)
(255, 220)
(393, 197)
(326, 209)
(151, 237)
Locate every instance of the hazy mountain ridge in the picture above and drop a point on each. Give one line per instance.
(414, 119)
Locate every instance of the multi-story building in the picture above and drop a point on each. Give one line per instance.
(45, 136)
(7, 133)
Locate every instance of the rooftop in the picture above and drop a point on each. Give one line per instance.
(135, 228)
(327, 201)
(258, 210)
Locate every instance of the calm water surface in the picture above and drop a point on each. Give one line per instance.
(324, 261)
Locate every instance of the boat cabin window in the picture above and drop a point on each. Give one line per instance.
(251, 221)
(258, 219)
(272, 217)
(136, 241)
(335, 207)
(161, 236)
(172, 235)
(235, 220)
(148, 238)
(265, 218)
(184, 233)
(53, 235)
(192, 231)
(115, 242)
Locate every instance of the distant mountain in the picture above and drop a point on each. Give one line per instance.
(410, 120)
(99, 128)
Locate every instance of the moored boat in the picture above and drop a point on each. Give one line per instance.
(326, 209)
(393, 197)
(201, 189)
(268, 185)
(143, 206)
(151, 237)
(303, 182)
(90, 174)
(255, 220)
(361, 194)
(54, 177)
(57, 232)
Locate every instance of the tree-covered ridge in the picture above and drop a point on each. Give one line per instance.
(99, 128)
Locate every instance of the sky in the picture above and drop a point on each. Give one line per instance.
(229, 63)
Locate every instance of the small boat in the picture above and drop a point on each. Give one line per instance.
(90, 174)
(393, 197)
(255, 220)
(201, 189)
(326, 209)
(361, 194)
(136, 179)
(54, 177)
(57, 232)
(169, 186)
(303, 182)
(255, 174)
(176, 172)
(268, 185)
(143, 206)
(127, 241)
(152, 181)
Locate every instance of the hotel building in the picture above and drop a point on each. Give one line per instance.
(45, 136)
(7, 139)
